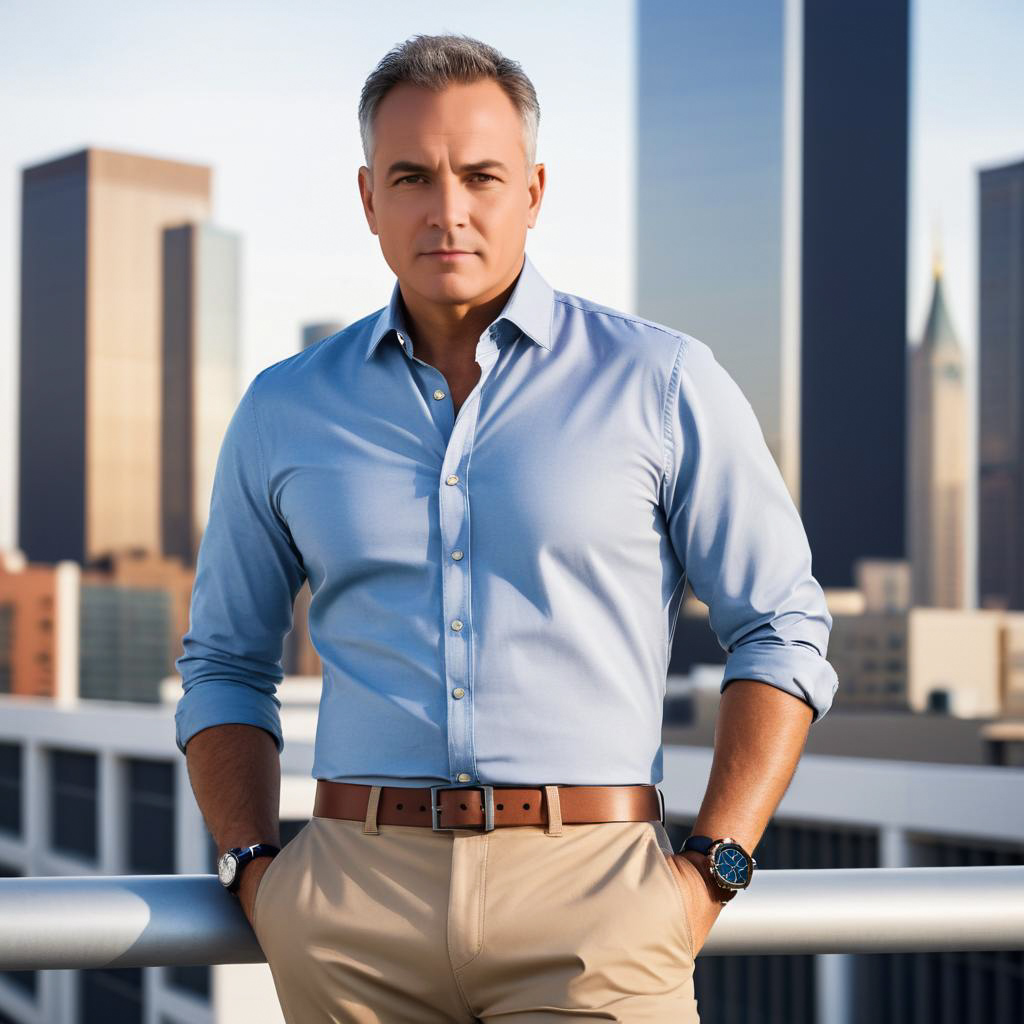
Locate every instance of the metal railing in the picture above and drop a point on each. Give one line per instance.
(163, 920)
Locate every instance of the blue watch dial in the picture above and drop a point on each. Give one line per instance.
(732, 866)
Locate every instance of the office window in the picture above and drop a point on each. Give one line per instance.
(6, 646)
(110, 994)
(10, 788)
(290, 828)
(194, 979)
(73, 803)
(150, 832)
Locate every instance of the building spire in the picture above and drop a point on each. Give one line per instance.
(937, 250)
(938, 332)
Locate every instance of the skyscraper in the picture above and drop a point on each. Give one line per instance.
(937, 453)
(713, 206)
(853, 290)
(312, 333)
(1001, 387)
(772, 221)
(202, 354)
(91, 336)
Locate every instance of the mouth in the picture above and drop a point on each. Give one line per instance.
(448, 254)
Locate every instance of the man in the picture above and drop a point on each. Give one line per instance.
(496, 491)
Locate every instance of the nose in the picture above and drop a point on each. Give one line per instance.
(448, 207)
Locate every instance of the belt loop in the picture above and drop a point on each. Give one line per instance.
(554, 825)
(370, 824)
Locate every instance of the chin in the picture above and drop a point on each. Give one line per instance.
(454, 284)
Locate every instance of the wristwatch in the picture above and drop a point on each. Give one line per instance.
(729, 865)
(229, 867)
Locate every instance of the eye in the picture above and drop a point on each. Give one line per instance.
(489, 177)
(408, 177)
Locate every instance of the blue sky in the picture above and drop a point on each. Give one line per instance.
(266, 94)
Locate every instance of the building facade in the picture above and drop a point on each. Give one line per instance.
(781, 241)
(91, 348)
(102, 789)
(201, 352)
(1001, 387)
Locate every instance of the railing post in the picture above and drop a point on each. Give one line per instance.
(834, 987)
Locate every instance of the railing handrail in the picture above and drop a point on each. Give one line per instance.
(162, 920)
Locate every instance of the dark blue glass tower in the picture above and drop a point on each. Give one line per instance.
(853, 287)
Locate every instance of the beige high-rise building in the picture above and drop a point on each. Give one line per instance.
(91, 348)
(937, 464)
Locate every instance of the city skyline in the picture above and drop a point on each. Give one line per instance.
(297, 271)
(183, 213)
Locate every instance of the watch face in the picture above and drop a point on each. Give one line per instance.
(731, 865)
(226, 868)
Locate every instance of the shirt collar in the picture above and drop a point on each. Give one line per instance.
(529, 307)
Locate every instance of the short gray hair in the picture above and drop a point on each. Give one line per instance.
(435, 62)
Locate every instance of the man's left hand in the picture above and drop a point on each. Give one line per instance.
(701, 907)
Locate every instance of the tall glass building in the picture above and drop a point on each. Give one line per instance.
(1001, 387)
(771, 220)
(91, 348)
(201, 366)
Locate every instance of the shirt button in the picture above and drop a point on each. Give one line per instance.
(458, 692)
(464, 777)
(456, 624)
(457, 555)
(453, 479)
(439, 394)
(401, 340)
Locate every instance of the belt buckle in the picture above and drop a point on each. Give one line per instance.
(435, 809)
(661, 805)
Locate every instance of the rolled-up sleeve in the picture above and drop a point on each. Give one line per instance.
(738, 535)
(248, 572)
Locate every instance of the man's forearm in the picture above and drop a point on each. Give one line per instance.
(235, 771)
(760, 734)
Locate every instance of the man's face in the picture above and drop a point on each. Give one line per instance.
(449, 172)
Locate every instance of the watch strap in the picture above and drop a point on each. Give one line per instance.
(702, 844)
(245, 854)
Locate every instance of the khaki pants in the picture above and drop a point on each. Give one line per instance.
(398, 924)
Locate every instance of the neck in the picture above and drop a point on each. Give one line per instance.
(449, 332)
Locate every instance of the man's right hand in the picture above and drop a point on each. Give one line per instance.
(252, 874)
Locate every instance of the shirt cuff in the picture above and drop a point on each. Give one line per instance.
(225, 702)
(795, 668)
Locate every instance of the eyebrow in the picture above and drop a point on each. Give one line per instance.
(410, 167)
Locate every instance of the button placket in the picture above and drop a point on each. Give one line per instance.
(454, 504)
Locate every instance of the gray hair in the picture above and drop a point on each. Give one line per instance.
(435, 62)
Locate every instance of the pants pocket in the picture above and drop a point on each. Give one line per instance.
(664, 850)
(271, 874)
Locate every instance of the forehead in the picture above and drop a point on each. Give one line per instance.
(412, 116)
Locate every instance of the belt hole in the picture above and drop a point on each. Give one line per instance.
(526, 807)
(400, 806)
(422, 808)
(463, 806)
(501, 807)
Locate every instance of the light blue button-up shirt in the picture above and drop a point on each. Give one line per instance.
(494, 594)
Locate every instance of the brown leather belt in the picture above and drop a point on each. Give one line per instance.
(487, 807)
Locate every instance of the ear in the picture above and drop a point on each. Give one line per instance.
(365, 182)
(536, 185)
